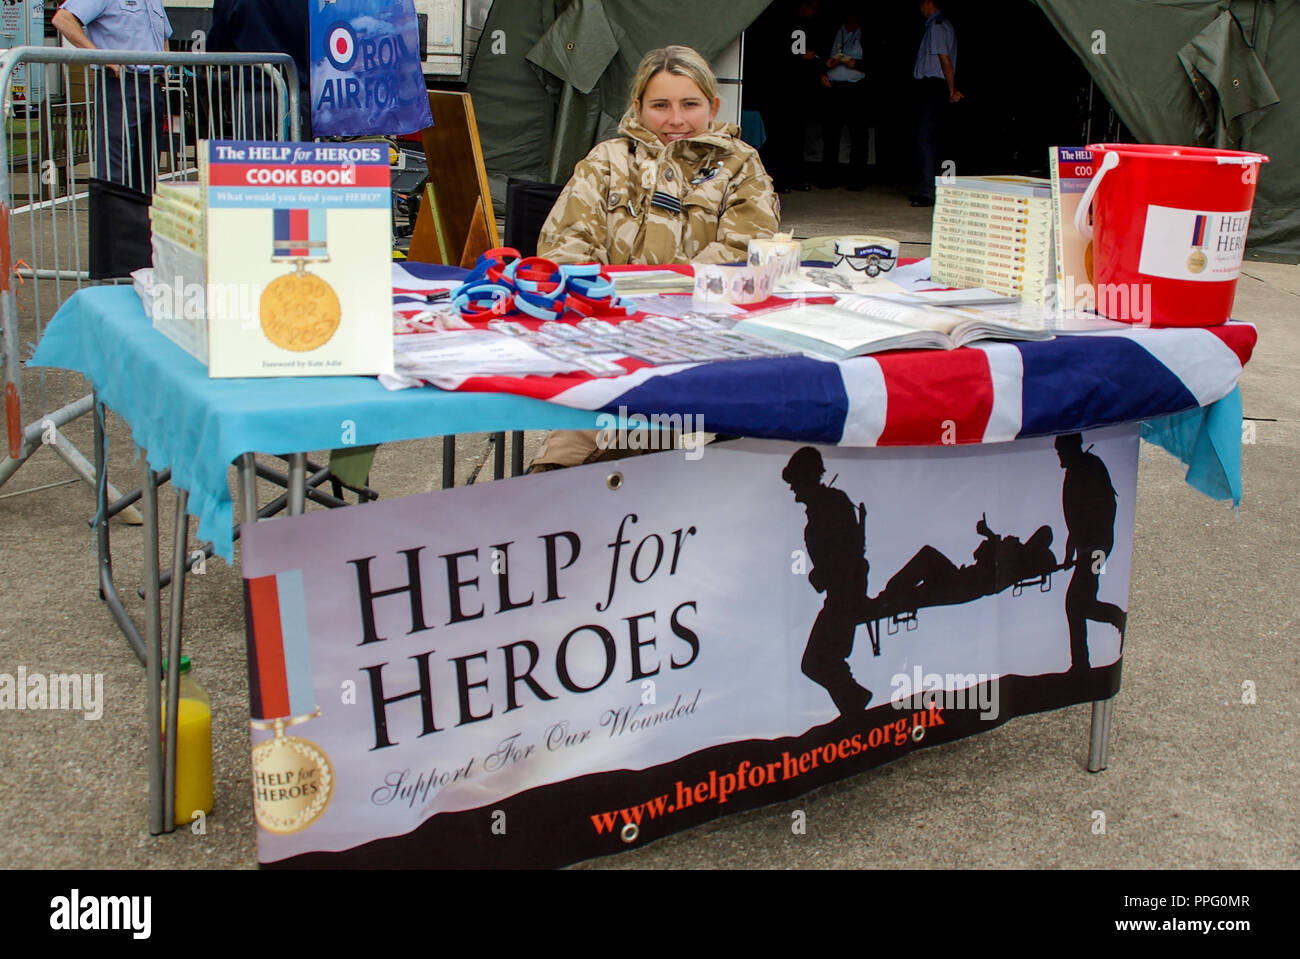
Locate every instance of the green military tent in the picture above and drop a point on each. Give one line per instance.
(1207, 73)
(550, 78)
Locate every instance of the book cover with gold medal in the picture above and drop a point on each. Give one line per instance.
(298, 261)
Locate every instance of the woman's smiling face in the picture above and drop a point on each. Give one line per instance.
(673, 107)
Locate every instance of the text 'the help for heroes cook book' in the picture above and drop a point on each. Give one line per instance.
(298, 267)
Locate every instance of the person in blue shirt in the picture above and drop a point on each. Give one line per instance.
(846, 104)
(260, 26)
(131, 106)
(934, 77)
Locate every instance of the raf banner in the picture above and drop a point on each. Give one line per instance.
(543, 669)
(365, 69)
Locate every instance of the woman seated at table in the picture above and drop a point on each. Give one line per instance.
(672, 187)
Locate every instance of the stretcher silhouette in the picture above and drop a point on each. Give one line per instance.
(931, 579)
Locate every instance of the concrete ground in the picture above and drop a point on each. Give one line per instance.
(1196, 778)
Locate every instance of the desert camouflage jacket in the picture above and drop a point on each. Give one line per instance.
(634, 199)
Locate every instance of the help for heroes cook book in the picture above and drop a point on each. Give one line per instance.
(298, 258)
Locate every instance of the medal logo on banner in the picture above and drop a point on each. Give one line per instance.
(1197, 260)
(292, 777)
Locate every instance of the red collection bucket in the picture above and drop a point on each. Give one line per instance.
(1168, 230)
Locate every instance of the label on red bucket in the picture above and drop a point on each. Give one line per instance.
(1201, 245)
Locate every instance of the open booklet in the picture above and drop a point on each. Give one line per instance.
(857, 325)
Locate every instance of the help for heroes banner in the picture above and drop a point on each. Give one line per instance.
(521, 672)
(365, 68)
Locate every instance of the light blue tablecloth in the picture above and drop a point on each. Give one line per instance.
(197, 425)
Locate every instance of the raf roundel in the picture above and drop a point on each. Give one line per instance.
(341, 45)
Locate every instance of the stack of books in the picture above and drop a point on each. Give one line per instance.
(177, 218)
(995, 232)
(1072, 170)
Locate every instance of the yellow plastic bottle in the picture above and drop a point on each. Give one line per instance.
(193, 746)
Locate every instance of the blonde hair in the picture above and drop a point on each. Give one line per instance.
(678, 60)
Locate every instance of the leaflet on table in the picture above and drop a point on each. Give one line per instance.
(674, 304)
(470, 353)
(510, 348)
(656, 340)
(645, 282)
(298, 265)
(660, 339)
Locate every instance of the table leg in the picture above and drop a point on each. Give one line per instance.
(180, 544)
(1101, 711)
(448, 462)
(153, 647)
(248, 488)
(498, 456)
(297, 484)
(517, 453)
(107, 588)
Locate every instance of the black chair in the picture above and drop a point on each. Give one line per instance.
(528, 204)
(119, 240)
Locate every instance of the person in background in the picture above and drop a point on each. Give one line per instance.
(673, 187)
(845, 104)
(131, 108)
(934, 78)
(265, 26)
(791, 76)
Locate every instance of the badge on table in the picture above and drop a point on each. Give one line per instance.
(292, 777)
(865, 255)
(299, 311)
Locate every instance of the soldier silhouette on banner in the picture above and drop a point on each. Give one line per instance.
(1088, 501)
(835, 539)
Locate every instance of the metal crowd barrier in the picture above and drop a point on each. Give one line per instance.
(127, 117)
(132, 119)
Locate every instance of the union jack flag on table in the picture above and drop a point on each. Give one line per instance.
(989, 392)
